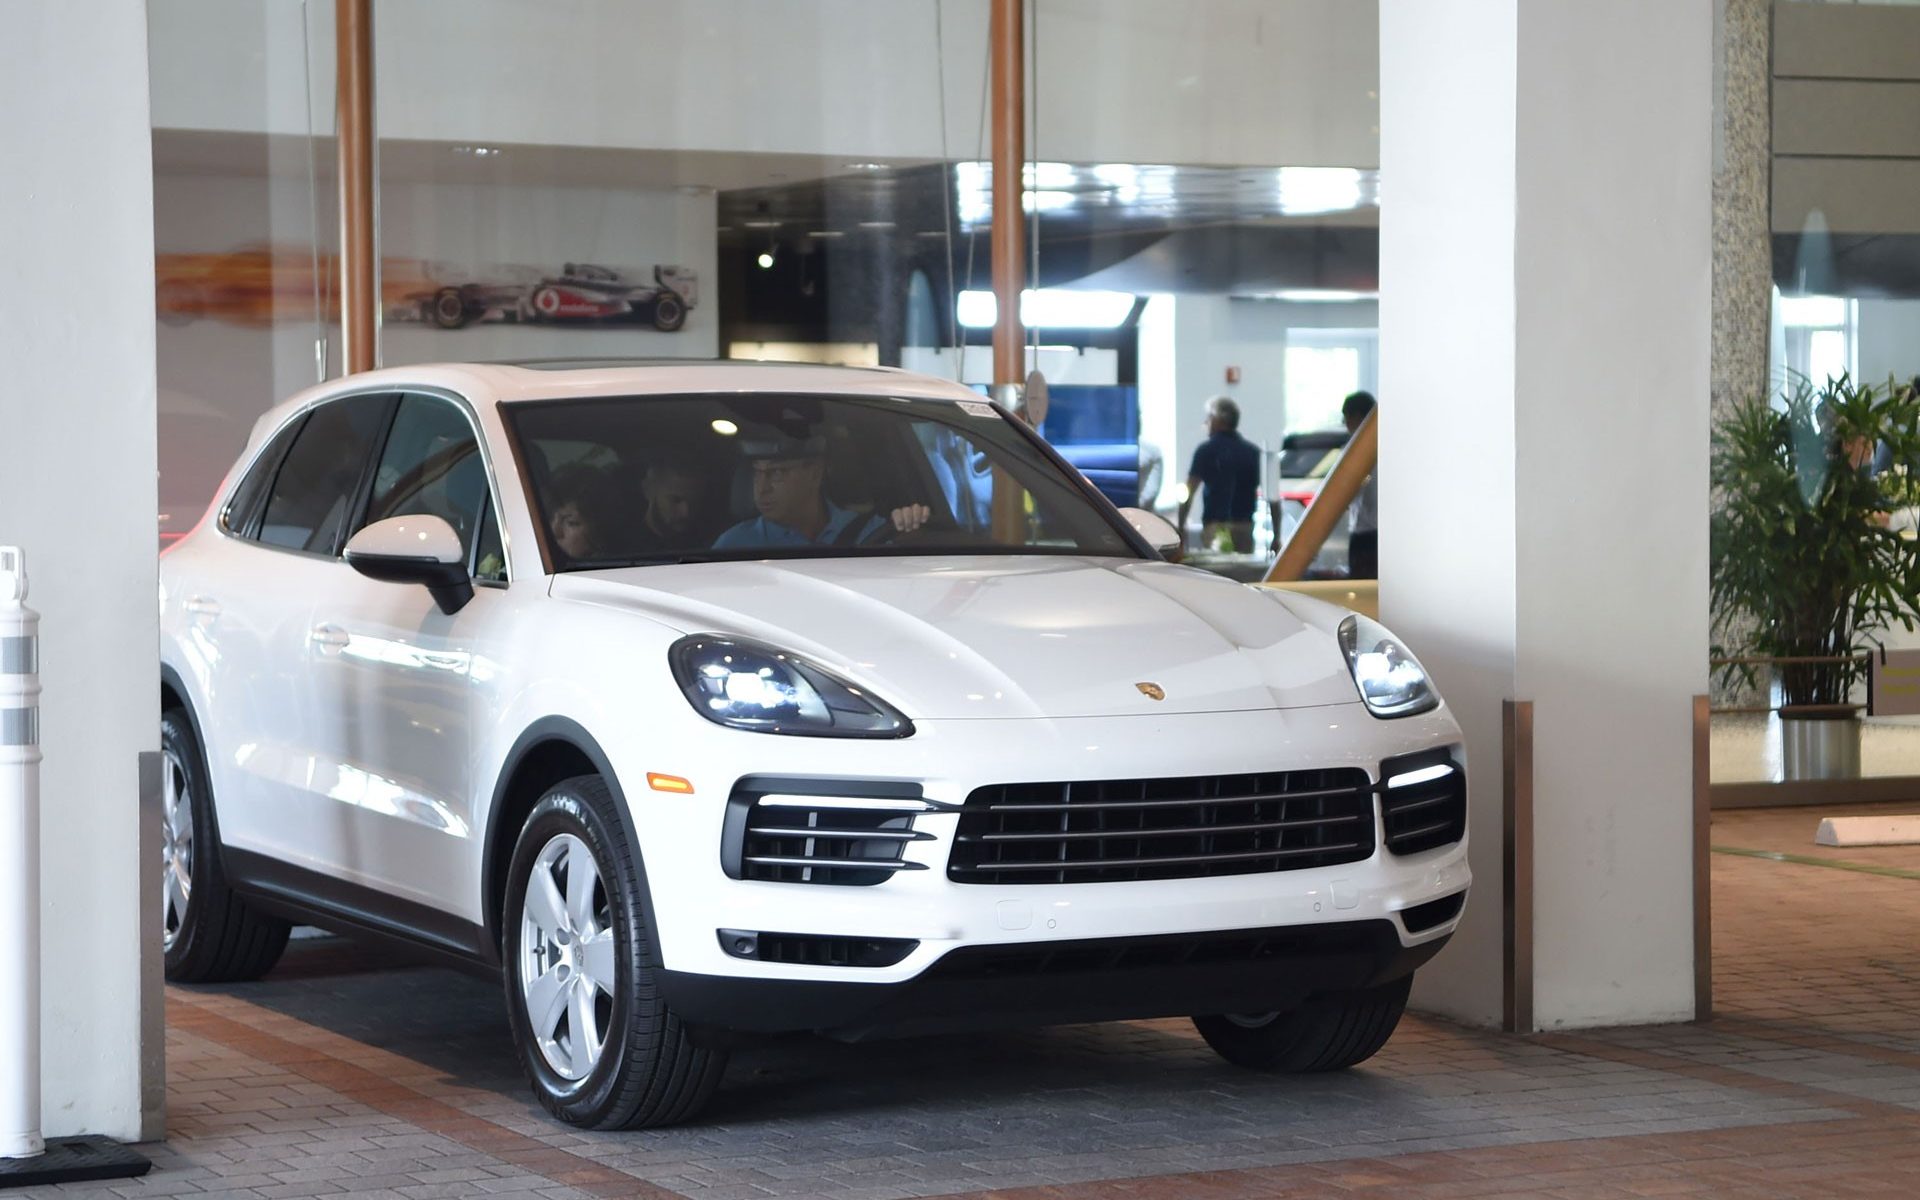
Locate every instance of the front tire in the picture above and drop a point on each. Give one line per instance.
(598, 1042)
(669, 312)
(1327, 1033)
(208, 933)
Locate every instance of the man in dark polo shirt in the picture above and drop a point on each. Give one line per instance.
(1226, 468)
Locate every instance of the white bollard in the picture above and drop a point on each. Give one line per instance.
(19, 863)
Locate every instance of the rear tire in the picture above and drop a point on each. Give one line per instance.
(1327, 1033)
(582, 972)
(210, 935)
(449, 308)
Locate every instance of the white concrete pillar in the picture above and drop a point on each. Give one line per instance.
(1544, 329)
(77, 493)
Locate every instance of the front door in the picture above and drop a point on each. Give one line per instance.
(392, 682)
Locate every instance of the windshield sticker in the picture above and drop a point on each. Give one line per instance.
(975, 408)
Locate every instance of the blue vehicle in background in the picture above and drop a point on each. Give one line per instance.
(1097, 429)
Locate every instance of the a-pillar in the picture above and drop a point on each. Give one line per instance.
(1545, 266)
(77, 492)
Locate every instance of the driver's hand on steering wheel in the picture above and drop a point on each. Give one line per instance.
(911, 517)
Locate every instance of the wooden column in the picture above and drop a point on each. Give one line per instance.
(1007, 32)
(359, 235)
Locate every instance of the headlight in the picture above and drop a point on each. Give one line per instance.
(1391, 680)
(747, 685)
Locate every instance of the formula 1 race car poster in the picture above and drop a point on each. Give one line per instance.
(577, 294)
(259, 285)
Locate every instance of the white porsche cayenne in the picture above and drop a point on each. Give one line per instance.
(703, 700)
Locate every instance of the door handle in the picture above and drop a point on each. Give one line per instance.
(202, 606)
(327, 639)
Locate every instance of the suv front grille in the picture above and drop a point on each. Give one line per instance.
(1132, 829)
(1423, 801)
(825, 832)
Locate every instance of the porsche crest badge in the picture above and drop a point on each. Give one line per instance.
(1152, 691)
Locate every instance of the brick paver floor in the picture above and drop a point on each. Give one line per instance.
(350, 1072)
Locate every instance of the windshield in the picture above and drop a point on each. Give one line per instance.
(630, 480)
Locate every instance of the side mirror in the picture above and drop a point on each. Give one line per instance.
(1159, 532)
(420, 549)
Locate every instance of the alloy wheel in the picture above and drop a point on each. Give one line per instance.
(567, 963)
(176, 848)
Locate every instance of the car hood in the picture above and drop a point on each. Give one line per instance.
(1004, 636)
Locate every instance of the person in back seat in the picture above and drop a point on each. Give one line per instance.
(577, 516)
(671, 490)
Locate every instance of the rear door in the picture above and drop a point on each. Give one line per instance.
(257, 604)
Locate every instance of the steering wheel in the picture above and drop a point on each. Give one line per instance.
(888, 534)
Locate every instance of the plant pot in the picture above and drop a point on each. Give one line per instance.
(1822, 747)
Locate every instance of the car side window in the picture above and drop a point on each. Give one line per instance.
(237, 518)
(319, 481)
(432, 466)
(489, 556)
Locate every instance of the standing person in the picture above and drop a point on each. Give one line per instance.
(1227, 466)
(1363, 537)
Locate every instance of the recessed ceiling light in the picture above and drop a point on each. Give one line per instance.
(1305, 191)
(865, 166)
(1319, 295)
(931, 233)
(765, 260)
(876, 224)
(1049, 308)
(761, 224)
(826, 233)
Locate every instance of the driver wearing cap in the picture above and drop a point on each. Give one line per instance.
(789, 490)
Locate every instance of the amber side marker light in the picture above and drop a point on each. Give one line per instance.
(668, 783)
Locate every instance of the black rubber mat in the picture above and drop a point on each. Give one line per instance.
(69, 1160)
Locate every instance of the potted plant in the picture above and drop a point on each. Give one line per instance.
(1806, 559)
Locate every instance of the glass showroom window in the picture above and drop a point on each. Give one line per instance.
(1821, 335)
(1323, 368)
(812, 185)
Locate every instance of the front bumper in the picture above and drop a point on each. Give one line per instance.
(1051, 983)
(950, 923)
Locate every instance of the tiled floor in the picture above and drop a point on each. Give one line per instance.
(349, 1073)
